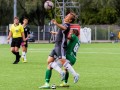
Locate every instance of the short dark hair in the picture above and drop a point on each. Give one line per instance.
(76, 32)
(74, 16)
(26, 18)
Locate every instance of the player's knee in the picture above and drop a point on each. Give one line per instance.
(65, 64)
(49, 67)
(12, 50)
(63, 61)
(49, 60)
(16, 50)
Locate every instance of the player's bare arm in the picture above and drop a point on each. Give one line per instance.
(27, 37)
(23, 36)
(9, 36)
(53, 32)
(59, 25)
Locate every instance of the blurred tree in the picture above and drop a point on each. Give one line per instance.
(98, 12)
(92, 11)
(34, 10)
(117, 7)
(6, 12)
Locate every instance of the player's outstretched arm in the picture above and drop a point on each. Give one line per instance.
(54, 33)
(59, 25)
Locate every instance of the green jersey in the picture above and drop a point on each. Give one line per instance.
(72, 48)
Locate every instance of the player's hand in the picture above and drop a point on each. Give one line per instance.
(54, 21)
(26, 39)
(52, 32)
(23, 43)
(8, 39)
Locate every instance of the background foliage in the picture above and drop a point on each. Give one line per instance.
(91, 11)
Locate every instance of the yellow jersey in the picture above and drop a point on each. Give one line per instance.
(16, 30)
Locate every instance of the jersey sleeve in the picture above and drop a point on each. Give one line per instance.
(11, 27)
(67, 25)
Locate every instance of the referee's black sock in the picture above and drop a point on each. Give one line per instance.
(14, 52)
(17, 56)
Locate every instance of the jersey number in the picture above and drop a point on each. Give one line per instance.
(76, 47)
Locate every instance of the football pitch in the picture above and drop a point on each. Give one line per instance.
(98, 65)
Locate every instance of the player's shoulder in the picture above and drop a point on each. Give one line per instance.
(20, 25)
(67, 24)
(12, 24)
(73, 36)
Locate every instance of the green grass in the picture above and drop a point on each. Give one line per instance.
(98, 65)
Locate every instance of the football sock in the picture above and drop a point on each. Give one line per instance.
(55, 66)
(24, 55)
(17, 56)
(14, 52)
(66, 77)
(48, 75)
(69, 68)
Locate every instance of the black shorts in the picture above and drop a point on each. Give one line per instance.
(16, 42)
(58, 52)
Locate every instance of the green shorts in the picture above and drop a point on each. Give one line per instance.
(72, 59)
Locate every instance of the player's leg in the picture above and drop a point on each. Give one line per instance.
(24, 51)
(26, 46)
(17, 46)
(48, 73)
(49, 70)
(17, 54)
(68, 66)
(13, 49)
(55, 65)
(64, 83)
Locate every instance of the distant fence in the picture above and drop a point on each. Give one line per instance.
(42, 33)
(102, 32)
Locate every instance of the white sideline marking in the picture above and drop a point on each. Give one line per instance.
(45, 51)
(99, 53)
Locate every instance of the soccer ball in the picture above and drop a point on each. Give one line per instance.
(53, 86)
(48, 5)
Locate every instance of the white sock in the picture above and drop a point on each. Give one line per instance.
(23, 53)
(55, 66)
(25, 56)
(70, 68)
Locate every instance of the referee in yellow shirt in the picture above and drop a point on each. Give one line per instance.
(17, 34)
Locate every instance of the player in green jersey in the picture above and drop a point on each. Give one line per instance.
(72, 48)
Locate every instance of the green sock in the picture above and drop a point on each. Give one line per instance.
(66, 77)
(48, 75)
